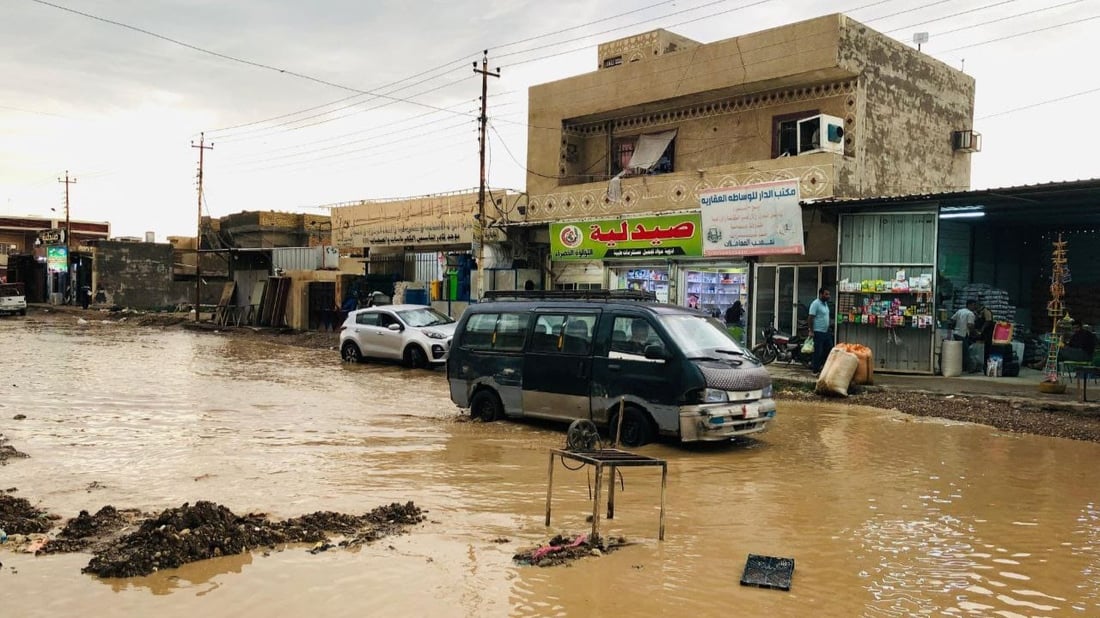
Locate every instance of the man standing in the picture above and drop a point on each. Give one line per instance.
(1081, 345)
(819, 325)
(964, 326)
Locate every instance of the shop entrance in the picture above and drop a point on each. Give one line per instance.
(649, 278)
(784, 293)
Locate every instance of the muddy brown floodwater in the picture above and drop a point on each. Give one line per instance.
(884, 514)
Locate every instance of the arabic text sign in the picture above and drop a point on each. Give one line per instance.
(627, 238)
(57, 259)
(758, 219)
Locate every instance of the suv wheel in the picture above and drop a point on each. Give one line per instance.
(415, 357)
(350, 352)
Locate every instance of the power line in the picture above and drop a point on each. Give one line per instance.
(1040, 103)
(1020, 34)
(1006, 18)
(966, 12)
(244, 61)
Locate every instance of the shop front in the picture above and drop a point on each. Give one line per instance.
(660, 254)
(907, 264)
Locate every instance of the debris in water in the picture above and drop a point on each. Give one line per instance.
(562, 550)
(768, 572)
(8, 451)
(207, 530)
(17, 516)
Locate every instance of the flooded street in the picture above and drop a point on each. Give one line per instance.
(884, 514)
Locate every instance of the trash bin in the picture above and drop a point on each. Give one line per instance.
(951, 359)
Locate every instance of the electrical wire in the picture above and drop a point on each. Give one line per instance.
(1020, 34)
(1040, 103)
(244, 61)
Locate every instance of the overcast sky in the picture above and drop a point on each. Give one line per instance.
(119, 108)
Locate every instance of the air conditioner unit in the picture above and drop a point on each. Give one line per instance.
(821, 133)
(966, 141)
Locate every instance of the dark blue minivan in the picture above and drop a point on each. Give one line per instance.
(547, 355)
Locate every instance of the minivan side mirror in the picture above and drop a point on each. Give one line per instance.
(395, 327)
(656, 352)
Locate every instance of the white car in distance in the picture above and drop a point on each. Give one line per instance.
(417, 335)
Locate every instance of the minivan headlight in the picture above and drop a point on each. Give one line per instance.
(714, 395)
(434, 334)
(767, 392)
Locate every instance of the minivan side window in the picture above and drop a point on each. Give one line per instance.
(511, 331)
(367, 319)
(504, 332)
(479, 331)
(565, 333)
(631, 335)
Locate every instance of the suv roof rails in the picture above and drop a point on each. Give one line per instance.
(600, 295)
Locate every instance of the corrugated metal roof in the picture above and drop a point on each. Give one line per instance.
(1019, 191)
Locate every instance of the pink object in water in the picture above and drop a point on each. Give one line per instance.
(542, 551)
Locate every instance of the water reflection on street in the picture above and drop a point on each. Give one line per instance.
(885, 515)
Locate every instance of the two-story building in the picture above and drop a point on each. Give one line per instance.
(620, 158)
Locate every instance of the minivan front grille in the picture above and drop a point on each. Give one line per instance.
(736, 378)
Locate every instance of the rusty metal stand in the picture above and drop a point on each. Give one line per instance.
(612, 459)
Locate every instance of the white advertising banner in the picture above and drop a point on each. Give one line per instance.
(758, 219)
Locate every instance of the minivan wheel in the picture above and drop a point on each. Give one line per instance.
(415, 357)
(636, 429)
(486, 406)
(350, 352)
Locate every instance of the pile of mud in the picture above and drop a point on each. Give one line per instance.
(8, 451)
(17, 516)
(87, 532)
(207, 530)
(564, 550)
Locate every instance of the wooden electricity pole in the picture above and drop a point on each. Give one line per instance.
(198, 230)
(68, 231)
(482, 120)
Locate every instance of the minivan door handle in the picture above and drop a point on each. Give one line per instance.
(581, 373)
(614, 366)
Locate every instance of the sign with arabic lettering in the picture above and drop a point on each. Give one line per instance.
(57, 258)
(627, 238)
(757, 219)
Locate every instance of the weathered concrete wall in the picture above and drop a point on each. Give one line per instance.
(795, 55)
(137, 275)
(909, 103)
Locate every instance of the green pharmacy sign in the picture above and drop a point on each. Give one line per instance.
(627, 238)
(57, 258)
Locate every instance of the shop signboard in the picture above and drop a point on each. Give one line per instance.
(57, 258)
(51, 236)
(627, 238)
(756, 219)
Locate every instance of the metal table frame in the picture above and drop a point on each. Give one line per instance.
(1082, 375)
(612, 459)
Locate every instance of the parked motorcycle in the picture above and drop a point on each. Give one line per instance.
(783, 347)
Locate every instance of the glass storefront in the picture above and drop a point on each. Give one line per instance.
(649, 278)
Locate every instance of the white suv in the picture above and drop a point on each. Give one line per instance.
(418, 335)
(12, 299)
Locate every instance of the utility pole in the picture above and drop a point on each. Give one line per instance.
(485, 73)
(198, 229)
(68, 230)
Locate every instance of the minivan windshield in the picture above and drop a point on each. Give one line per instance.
(699, 336)
(424, 317)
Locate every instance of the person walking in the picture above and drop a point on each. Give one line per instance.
(963, 321)
(819, 326)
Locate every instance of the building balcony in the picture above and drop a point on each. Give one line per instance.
(817, 173)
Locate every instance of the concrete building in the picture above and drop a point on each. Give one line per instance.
(825, 108)
(32, 252)
(418, 241)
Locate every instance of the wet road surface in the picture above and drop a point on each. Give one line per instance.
(885, 515)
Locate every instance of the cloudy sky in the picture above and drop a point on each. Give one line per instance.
(314, 103)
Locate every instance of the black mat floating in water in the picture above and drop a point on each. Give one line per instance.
(768, 572)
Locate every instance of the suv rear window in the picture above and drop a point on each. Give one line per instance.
(10, 290)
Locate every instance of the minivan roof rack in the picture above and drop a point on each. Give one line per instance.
(604, 295)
